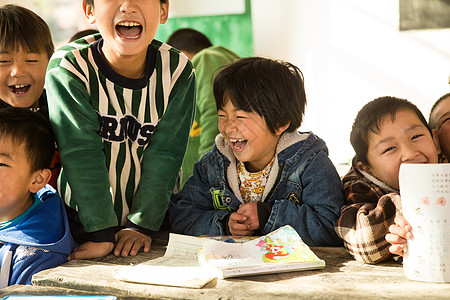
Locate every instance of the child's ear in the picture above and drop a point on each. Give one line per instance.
(435, 137)
(365, 167)
(89, 12)
(282, 129)
(39, 180)
(164, 12)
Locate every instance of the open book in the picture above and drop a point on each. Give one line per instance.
(280, 251)
(425, 191)
(194, 261)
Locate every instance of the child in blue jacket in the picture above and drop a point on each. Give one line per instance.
(34, 232)
(262, 173)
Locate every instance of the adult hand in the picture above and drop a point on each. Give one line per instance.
(130, 241)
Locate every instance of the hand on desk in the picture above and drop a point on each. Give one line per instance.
(129, 242)
(398, 235)
(91, 250)
(245, 221)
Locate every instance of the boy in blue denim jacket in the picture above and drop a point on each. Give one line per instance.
(261, 173)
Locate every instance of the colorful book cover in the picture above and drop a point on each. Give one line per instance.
(280, 251)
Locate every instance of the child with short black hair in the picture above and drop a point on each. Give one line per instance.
(439, 121)
(121, 105)
(25, 48)
(261, 174)
(387, 132)
(34, 233)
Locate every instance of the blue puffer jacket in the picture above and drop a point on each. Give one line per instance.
(303, 189)
(40, 241)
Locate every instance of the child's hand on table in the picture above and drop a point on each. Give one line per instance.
(130, 241)
(91, 250)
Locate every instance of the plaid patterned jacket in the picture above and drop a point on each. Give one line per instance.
(369, 210)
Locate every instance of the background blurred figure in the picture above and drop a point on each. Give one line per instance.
(82, 33)
(206, 59)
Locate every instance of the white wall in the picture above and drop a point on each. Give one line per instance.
(350, 52)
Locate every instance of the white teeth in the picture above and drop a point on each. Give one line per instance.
(19, 86)
(235, 141)
(129, 24)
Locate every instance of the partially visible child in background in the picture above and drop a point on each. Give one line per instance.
(34, 232)
(207, 59)
(387, 132)
(25, 48)
(262, 173)
(121, 105)
(439, 121)
(82, 33)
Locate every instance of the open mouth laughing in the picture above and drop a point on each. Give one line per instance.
(19, 89)
(129, 30)
(238, 144)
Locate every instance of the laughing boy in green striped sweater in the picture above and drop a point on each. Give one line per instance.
(121, 105)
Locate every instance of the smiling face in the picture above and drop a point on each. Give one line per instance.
(22, 77)
(248, 135)
(440, 117)
(16, 180)
(402, 140)
(127, 27)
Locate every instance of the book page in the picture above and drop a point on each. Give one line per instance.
(425, 193)
(178, 267)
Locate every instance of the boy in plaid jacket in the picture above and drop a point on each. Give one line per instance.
(386, 133)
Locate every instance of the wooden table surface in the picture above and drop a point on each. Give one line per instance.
(342, 278)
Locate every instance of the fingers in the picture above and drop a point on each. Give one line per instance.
(147, 244)
(401, 232)
(124, 246)
(237, 218)
(401, 221)
(238, 226)
(398, 249)
(129, 242)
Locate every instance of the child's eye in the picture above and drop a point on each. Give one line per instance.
(3, 165)
(445, 120)
(240, 117)
(388, 149)
(416, 136)
(31, 60)
(4, 61)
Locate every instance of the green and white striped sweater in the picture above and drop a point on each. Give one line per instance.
(121, 140)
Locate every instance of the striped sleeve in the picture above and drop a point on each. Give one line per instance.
(76, 127)
(163, 157)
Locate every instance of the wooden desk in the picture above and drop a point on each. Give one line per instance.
(342, 278)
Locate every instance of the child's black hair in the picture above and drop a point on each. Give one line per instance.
(21, 27)
(271, 88)
(189, 40)
(369, 118)
(21, 126)
(433, 123)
